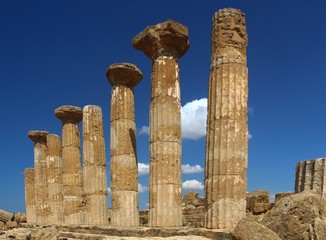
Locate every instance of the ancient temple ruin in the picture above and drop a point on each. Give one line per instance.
(67, 187)
(227, 123)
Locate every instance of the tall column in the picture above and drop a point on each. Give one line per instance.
(227, 122)
(311, 175)
(95, 184)
(41, 196)
(164, 43)
(124, 170)
(72, 177)
(30, 195)
(54, 179)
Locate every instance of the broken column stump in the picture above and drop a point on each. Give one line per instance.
(54, 179)
(30, 195)
(95, 184)
(311, 175)
(227, 122)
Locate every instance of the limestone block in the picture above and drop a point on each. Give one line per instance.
(258, 202)
(6, 216)
(299, 216)
(96, 209)
(125, 208)
(279, 196)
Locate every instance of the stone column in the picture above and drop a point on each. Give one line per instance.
(30, 195)
(95, 184)
(54, 179)
(311, 175)
(124, 170)
(227, 122)
(164, 43)
(72, 178)
(41, 191)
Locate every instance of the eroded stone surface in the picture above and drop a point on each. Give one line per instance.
(40, 177)
(227, 123)
(164, 43)
(311, 175)
(169, 38)
(299, 216)
(95, 184)
(30, 195)
(54, 179)
(72, 176)
(69, 113)
(124, 74)
(248, 229)
(258, 202)
(123, 166)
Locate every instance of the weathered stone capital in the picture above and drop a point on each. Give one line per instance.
(126, 74)
(69, 113)
(169, 38)
(38, 136)
(231, 25)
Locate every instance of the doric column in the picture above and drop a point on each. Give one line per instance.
(164, 43)
(227, 122)
(72, 177)
(54, 179)
(311, 175)
(41, 192)
(30, 195)
(124, 171)
(95, 184)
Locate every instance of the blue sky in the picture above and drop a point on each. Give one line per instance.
(54, 53)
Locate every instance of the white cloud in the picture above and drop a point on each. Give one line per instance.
(109, 190)
(192, 184)
(143, 168)
(144, 130)
(142, 188)
(193, 119)
(249, 136)
(188, 169)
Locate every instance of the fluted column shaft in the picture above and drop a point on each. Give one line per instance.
(95, 184)
(54, 179)
(311, 175)
(72, 178)
(227, 122)
(40, 178)
(123, 165)
(165, 181)
(30, 195)
(164, 43)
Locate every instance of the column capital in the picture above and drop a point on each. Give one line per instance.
(38, 136)
(69, 113)
(124, 74)
(169, 38)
